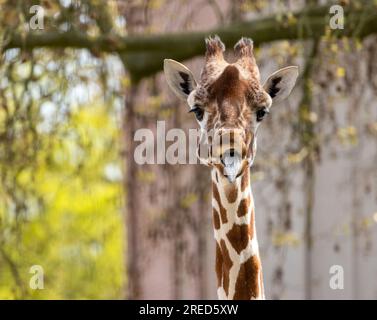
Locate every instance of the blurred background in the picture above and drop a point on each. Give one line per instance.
(74, 89)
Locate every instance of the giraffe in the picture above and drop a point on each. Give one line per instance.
(229, 103)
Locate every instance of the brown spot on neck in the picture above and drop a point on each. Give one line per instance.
(243, 209)
(226, 266)
(239, 237)
(216, 219)
(216, 195)
(247, 284)
(243, 206)
(245, 181)
(231, 192)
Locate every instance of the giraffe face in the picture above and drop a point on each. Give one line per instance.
(229, 103)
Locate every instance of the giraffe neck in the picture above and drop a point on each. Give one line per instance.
(238, 266)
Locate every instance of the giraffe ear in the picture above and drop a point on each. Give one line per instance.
(179, 78)
(280, 84)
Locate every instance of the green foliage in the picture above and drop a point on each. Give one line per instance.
(73, 225)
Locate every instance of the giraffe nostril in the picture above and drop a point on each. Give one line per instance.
(231, 160)
(228, 156)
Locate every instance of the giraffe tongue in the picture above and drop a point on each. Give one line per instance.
(232, 163)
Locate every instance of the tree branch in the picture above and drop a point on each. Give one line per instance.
(144, 53)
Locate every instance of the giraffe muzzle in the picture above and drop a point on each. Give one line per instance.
(232, 162)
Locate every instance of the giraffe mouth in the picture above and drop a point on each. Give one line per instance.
(232, 162)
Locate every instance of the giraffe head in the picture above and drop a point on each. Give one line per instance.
(229, 103)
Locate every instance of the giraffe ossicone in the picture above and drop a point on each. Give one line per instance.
(230, 101)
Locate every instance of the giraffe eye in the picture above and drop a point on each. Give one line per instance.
(261, 113)
(199, 113)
